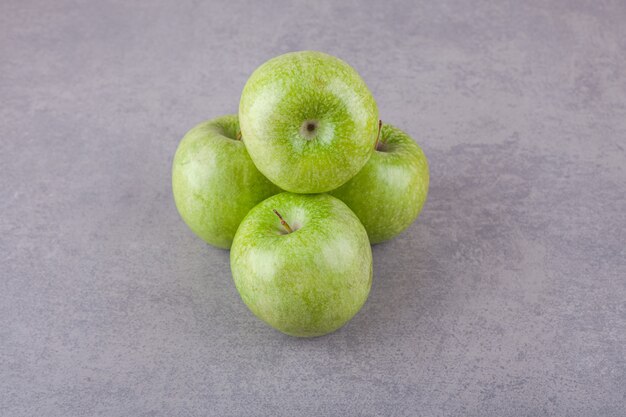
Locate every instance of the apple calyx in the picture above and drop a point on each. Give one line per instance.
(376, 144)
(238, 137)
(283, 222)
(308, 129)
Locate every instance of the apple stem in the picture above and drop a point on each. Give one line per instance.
(380, 126)
(239, 135)
(283, 222)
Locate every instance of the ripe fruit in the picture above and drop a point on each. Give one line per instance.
(388, 194)
(308, 120)
(302, 263)
(214, 181)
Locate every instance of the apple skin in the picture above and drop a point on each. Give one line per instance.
(309, 282)
(308, 120)
(214, 181)
(388, 194)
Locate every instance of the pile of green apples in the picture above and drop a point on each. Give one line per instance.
(298, 186)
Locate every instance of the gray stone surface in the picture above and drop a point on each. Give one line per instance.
(506, 298)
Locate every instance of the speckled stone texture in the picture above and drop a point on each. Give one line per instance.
(506, 298)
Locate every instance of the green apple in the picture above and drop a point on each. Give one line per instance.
(388, 194)
(302, 263)
(214, 181)
(308, 120)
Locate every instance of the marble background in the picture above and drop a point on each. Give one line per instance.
(506, 298)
